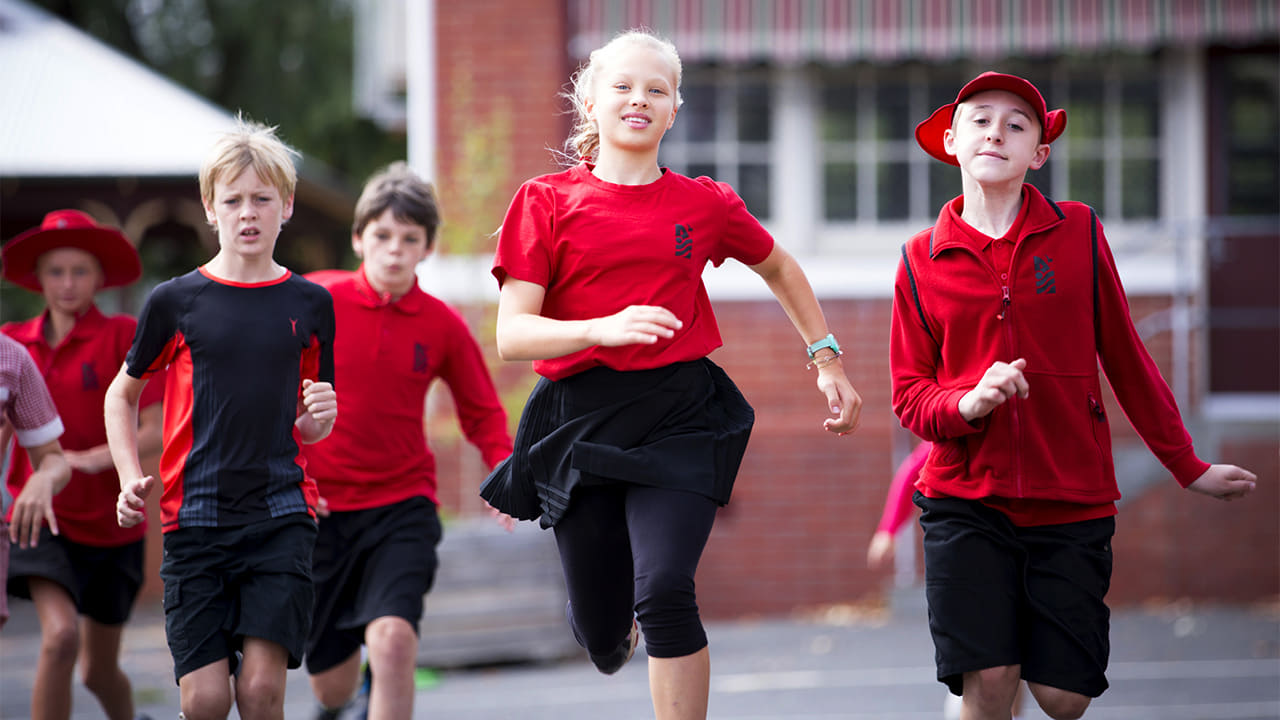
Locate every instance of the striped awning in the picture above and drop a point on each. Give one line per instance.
(790, 31)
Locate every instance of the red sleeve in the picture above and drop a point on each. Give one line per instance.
(1143, 394)
(897, 504)
(922, 405)
(524, 241)
(744, 238)
(480, 412)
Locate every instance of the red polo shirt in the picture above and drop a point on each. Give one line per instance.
(386, 355)
(78, 372)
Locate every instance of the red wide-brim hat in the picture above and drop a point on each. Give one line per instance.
(929, 133)
(73, 229)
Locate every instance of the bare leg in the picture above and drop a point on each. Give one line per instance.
(679, 686)
(260, 687)
(988, 694)
(206, 692)
(393, 652)
(336, 686)
(59, 645)
(100, 668)
(1059, 704)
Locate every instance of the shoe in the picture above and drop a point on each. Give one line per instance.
(614, 661)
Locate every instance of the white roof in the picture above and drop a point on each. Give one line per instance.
(72, 106)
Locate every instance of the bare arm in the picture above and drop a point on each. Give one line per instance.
(98, 459)
(120, 411)
(524, 334)
(34, 505)
(789, 285)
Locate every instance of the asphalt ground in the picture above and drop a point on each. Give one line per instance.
(1171, 661)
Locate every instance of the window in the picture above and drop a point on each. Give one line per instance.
(724, 131)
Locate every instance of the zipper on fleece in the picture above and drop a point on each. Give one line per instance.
(1015, 427)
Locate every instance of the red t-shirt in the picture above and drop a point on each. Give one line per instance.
(386, 355)
(77, 373)
(598, 247)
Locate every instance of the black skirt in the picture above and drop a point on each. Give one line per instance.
(684, 426)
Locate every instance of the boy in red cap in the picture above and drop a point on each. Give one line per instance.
(1001, 314)
(83, 572)
(249, 349)
(375, 556)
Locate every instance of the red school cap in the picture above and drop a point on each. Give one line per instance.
(929, 133)
(73, 229)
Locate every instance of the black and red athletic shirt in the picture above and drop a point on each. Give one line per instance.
(237, 354)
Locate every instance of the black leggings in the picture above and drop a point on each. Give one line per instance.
(630, 549)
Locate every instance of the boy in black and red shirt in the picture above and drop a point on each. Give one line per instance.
(1001, 314)
(248, 345)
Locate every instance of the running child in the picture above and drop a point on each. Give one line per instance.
(1002, 312)
(633, 437)
(249, 347)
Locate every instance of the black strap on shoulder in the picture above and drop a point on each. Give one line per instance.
(1093, 237)
(915, 294)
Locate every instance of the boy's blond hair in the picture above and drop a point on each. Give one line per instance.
(249, 145)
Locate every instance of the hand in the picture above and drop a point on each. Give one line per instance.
(1000, 382)
(843, 401)
(31, 510)
(635, 325)
(320, 401)
(880, 549)
(507, 522)
(322, 507)
(131, 503)
(1225, 482)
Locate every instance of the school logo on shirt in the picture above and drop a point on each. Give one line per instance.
(419, 358)
(684, 241)
(88, 377)
(1044, 276)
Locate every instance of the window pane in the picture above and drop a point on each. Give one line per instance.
(892, 113)
(892, 191)
(944, 184)
(1139, 110)
(1253, 141)
(753, 187)
(753, 112)
(698, 113)
(1140, 188)
(839, 187)
(1084, 114)
(839, 117)
(1086, 183)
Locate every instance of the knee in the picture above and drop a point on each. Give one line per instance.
(102, 677)
(391, 641)
(259, 694)
(660, 592)
(60, 644)
(206, 703)
(1060, 704)
(992, 688)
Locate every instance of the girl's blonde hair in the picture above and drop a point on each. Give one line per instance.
(249, 145)
(583, 142)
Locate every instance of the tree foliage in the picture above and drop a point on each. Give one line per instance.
(283, 63)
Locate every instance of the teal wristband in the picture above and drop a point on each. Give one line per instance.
(827, 342)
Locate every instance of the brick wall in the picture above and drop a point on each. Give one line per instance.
(806, 502)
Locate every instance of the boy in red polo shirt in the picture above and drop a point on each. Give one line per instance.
(1001, 314)
(84, 579)
(375, 555)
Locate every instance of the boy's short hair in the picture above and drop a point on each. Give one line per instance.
(400, 190)
(249, 145)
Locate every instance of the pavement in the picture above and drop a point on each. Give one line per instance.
(1171, 660)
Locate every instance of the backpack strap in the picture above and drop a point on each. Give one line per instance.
(915, 293)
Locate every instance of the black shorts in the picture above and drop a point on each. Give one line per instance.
(103, 582)
(369, 564)
(222, 585)
(1000, 595)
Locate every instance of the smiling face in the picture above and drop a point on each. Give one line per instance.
(633, 102)
(248, 213)
(391, 249)
(69, 278)
(996, 138)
